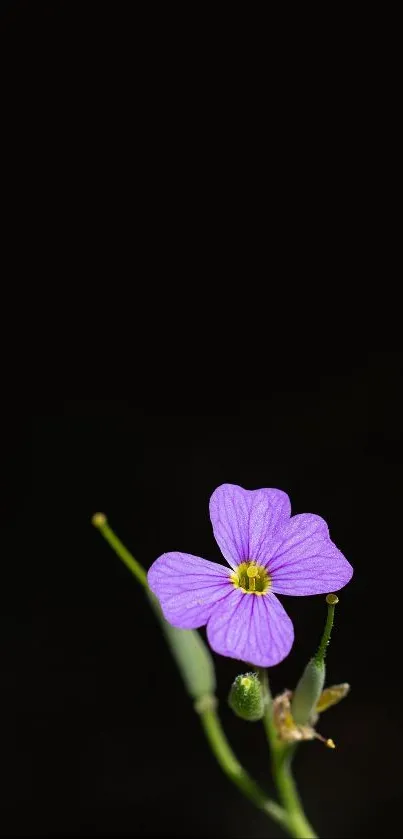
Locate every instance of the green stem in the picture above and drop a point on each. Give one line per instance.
(100, 521)
(281, 758)
(233, 769)
(331, 601)
(298, 823)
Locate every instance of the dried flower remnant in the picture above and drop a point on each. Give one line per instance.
(287, 728)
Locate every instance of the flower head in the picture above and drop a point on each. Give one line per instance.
(269, 553)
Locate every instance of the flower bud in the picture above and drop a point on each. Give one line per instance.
(246, 697)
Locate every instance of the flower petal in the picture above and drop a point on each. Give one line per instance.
(252, 628)
(246, 521)
(305, 560)
(188, 587)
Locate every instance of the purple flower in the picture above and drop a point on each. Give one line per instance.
(270, 553)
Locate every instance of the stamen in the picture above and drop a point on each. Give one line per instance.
(252, 572)
(251, 578)
(328, 742)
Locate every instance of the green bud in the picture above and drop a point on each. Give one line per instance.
(308, 691)
(246, 697)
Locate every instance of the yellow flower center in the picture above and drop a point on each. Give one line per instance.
(251, 578)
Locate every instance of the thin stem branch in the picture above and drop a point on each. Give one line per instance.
(100, 521)
(331, 601)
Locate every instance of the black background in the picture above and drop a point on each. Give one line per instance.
(97, 734)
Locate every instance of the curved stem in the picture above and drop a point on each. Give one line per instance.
(331, 601)
(233, 769)
(281, 759)
(100, 521)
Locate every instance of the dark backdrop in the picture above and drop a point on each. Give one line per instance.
(98, 735)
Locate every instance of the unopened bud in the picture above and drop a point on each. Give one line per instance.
(246, 697)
